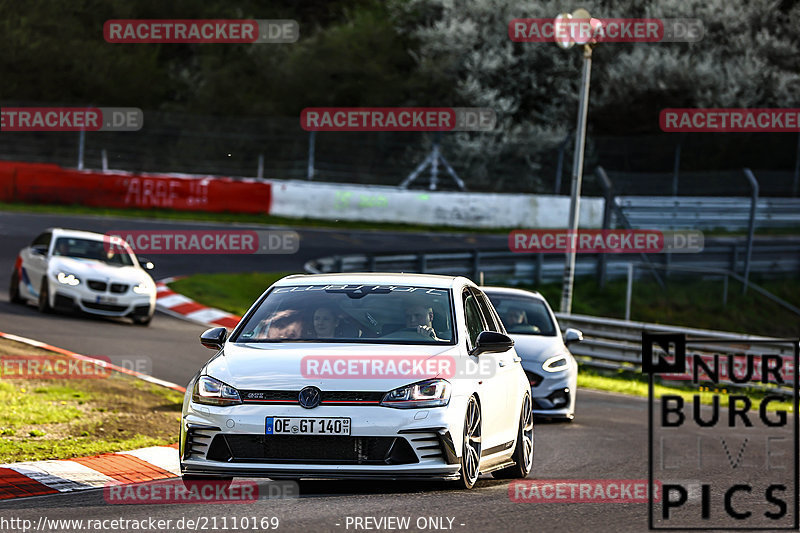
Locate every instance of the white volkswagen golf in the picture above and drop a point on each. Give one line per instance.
(397, 376)
(74, 270)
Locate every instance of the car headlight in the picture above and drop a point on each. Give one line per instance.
(430, 393)
(210, 391)
(68, 279)
(142, 288)
(557, 363)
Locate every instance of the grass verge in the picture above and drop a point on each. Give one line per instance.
(234, 293)
(636, 384)
(63, 418)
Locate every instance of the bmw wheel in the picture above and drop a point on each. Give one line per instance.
(44, 298)
(471, 451)
(13, 289)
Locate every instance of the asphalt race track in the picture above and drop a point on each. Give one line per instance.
(608, 439)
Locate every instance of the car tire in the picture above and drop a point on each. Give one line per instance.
(471, 445)
(13, 289)
(193, 480)
(142, 320)
(44, 298)
(523, 450)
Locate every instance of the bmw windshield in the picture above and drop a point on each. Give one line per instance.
(387, 314)
(111, 254)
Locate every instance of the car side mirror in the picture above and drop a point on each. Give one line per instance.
(39, 249)
(492, 342)
(572, 335)
(214, 338)
(146, 263)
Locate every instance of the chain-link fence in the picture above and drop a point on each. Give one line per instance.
(277, 148)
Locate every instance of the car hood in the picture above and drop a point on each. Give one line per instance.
(280, 366)
(537, 348)
(91, 269)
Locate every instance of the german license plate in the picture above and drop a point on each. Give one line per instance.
(307, 426)
(106, 299)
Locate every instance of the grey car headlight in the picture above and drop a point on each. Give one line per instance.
(210, 391)
(429, 393)
(66, 278)
(557, 363)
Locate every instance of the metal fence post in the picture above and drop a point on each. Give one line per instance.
(609, 199)
(751, 225)
(311, 143)
(423, 263)
(539, 267)
(104, 159)
(371, 262)
(260, 171)
(629, 292)
(81, 146)
(796, 169)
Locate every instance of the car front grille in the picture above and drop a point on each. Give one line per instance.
(97, 285)
(104, 307)
(118, 288)
(290, 397)
(311, 449)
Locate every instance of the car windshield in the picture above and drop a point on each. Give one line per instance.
(523, 316)
(387, 314)
(92, 249)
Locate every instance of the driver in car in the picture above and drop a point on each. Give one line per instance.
(420, 317)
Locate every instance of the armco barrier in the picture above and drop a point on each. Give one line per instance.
(52, 184)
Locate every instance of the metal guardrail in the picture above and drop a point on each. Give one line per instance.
(615, 344)
(703, 212)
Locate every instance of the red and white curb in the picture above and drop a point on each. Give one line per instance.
(39, 478)
(179, 306)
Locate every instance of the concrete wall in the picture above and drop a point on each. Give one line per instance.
(466, 209)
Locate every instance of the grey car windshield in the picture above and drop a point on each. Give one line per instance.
(389, 314)
(92, 249)
(521, 315)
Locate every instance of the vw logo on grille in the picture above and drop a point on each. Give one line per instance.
(310, 397)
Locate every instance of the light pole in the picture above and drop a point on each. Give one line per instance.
(580, 141)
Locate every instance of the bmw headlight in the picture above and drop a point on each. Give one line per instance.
(142, 288)
(430, 393)
(210, 391)
(68, 279)
(557, 363)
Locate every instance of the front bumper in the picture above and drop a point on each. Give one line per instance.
(384, 443)
(82, 299)
(554, 393)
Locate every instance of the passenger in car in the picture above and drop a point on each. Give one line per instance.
(286, 324)
(326, 322)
